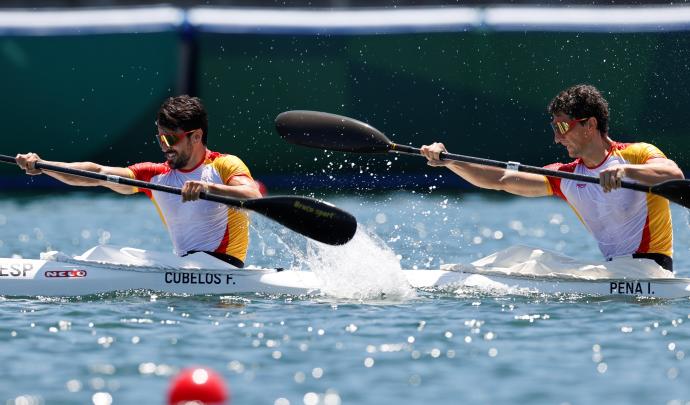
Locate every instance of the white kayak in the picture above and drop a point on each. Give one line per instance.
(107, 269)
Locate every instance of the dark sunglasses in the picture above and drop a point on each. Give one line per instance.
(564, 126)
(169, 139)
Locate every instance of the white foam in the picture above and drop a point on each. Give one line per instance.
(363, 269)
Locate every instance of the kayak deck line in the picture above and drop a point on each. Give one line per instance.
(126, 269)
(565, 278)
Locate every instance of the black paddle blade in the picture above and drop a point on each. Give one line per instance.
(677, 191)
(322, 130)
(315, 219)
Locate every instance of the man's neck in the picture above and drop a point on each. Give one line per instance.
(597, 151)
(198, 156)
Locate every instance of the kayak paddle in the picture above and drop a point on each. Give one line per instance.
(315, 219)
(322, 130)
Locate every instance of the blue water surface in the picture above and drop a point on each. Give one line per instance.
(441, 347)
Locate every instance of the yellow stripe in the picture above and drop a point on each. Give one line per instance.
(160, 213)
(238, 237)
(130, 174)
(658, 208)
(549, 189)
(660, 228)
(578, 216)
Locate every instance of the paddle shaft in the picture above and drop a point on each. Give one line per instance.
(310, 217)
(128, 182)
(409, 150)
(323, 130)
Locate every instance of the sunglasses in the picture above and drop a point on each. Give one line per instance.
(168, 139)
(564, 126)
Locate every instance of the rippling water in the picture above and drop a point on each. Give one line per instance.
(352, 346)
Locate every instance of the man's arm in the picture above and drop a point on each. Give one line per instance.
(28, 161)
(493, 178)
(237, 187)
(654, 171)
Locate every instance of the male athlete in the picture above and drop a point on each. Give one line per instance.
(624, 222)
(194, 225)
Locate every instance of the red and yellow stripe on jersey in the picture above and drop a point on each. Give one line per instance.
(199, 225)
(622, 221)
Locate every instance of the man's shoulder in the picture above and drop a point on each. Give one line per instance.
(226, 163)
(148, 170)
(149, 167)
(638, 151)
(635, 144)
(224, 158)
(563, 167)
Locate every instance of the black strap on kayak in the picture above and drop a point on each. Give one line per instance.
(220, 256)
(666, 262)
(660, 259)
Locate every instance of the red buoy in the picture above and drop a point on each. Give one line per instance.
(198, 384)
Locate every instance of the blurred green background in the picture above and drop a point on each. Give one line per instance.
(482, 93)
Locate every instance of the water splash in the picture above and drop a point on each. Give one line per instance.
(363, 269)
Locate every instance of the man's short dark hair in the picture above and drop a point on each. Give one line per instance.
(582, 101)
(184, 112)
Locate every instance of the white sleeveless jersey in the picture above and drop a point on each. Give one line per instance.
(199, 225)
(622, 221)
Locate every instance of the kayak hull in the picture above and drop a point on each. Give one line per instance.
(23, 277)
(27, 277)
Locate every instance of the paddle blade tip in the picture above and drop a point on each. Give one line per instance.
(322, 130)
(677, 191)
(310, 217)
(343, 231)
(297, 124)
